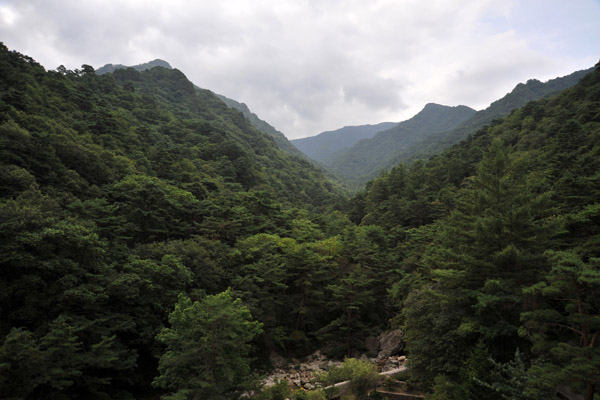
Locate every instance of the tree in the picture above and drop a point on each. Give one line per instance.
(208, 346)
(566, 326)
(487, 250)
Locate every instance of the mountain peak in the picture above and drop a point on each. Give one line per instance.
(109, 68)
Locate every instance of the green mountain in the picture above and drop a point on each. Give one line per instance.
(124, 193)
(153, 243)
(109, 68)
(259, 124)
(326, 145)
(262, 126)
(518, 97)
(498, 259)
(367, 158)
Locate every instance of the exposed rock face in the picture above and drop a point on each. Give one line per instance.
(390, 343)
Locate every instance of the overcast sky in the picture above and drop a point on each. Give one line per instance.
(315, 65)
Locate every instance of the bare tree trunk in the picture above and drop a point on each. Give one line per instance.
(589, 395)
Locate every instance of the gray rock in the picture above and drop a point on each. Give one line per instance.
(309, 386)
(390, 343)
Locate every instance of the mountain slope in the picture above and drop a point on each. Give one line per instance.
(263, 126)
(499, 240)
(368, 157)
(119, 194)
(518, 97)
(259, 124)
(324, 146)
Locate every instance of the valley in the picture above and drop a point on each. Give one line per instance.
(160, 241)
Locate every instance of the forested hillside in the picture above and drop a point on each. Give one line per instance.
(153, 243)
(325, 146)
(128, 193)
(258, 123)
(108, 68)
(498, 252)
(367, 158)
(263, 126)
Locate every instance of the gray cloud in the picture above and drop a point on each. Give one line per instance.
(307, 66)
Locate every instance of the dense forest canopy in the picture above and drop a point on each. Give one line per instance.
(155, 243)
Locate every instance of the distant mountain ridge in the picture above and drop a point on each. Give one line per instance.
(108, 68)
(326, 145)
(366, 159)
(518, 97)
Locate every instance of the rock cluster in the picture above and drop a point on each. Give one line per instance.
(301, 374)
(383, 351)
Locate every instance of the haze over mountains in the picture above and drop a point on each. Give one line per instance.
(365, 160)
(326, 145)
(108, 68)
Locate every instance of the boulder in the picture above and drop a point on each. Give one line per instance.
(390, 343)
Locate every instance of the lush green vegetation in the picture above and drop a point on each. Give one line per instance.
(367, 158)
(108, 68)
(154, 243)
(121, 193)
(497, 246)
(263, 126)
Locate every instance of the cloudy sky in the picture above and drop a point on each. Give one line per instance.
(306, 66)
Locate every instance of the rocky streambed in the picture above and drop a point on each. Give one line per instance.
(383, 351)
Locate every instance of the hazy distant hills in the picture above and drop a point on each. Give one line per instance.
(368, 157)
(428, 133)
(108, 68)
(325, 146)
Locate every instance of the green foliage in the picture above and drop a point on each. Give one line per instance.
(280, 390)
(507, 215)
(117, 193)
(446, 389)
(367, 158)
(510, 379)
(124, 194)
(362, 375)
(565, 327)
(302, 394)
(208, 347)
